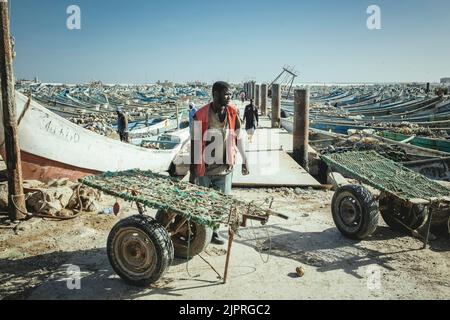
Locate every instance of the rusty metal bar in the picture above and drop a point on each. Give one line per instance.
(230, 242)
(430, 215)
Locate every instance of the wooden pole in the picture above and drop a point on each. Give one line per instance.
(246, 89)
(276, 102)
(257, 95)
(253, 85)
(301, 127)
(264, 99)
(16, 199)
(178, 120)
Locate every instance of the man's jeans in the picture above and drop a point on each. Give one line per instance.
(221, 183)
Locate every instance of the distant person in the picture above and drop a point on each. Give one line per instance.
(122, 124)
(217, 124)
(251, 119)
(192, 111)
(242, 96)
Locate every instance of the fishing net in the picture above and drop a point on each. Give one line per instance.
(199, 204)
(386, 175)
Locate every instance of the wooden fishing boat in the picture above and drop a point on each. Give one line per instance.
(425, 142)
(53, 147)
(433, 164)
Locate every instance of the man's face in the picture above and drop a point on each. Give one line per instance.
(223, 97)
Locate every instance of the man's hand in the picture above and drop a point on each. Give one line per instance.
(245, 171)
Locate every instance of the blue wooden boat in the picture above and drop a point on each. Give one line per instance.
(429, 143)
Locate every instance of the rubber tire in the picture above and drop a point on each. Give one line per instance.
(369, 211)
(172, 170)
(201, 240)
(160, 238)
(419, 218)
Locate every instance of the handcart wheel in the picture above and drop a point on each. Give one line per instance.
(355, 211)
(199, 239)
(140, 250)
(392, 209)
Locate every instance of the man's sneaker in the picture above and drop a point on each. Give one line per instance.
(216, 239)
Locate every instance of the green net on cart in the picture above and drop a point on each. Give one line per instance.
(202, 205)
(386, 175)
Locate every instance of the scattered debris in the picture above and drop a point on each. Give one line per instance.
(300, 271)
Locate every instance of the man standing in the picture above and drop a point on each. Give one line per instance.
(122, 124)
(250, 117)
(215, 134)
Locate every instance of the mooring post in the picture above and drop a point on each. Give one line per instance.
(263, 100)
(276, 112)
(301, 127)
(16, 198)
(178, 120)
(253, 90)
(257, 95)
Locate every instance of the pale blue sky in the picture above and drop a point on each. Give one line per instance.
(140, 41)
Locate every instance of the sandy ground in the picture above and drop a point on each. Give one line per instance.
(35, 256)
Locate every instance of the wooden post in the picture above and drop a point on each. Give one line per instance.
(257, 95)
(301, 127)
(276, 112)
(264, 99)
(253, 85)
(16, 198)
(178, 121)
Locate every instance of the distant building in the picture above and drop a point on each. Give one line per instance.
(445, 81)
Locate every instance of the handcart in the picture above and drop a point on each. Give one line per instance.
(407, 201)
(140, 248)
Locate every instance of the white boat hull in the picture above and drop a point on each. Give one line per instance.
(53, 147)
